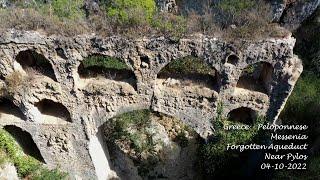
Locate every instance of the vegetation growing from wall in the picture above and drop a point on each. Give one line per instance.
(135, 134)
(190, 71)
(188, 65)
(214, 158)
(26, 166)
(97, 66)
(106, 62)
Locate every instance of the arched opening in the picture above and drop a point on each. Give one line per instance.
(99, 66)
(232, 59)
(35, 64)
(61, 53)
(24, 139)
(243, 115)
(256, 77)
(144, 144)
(53, 111)
(8, 109)
(2, 77)
(191, 71)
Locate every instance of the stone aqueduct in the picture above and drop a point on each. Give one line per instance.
(62, 111)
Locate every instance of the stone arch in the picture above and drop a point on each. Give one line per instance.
(107, 67)
(138, 122)
(34, 63)
(191, 70)
(256, 77)
(243, 115)
(232, 59)
(25, 140)
(8, 108)
(50, 109)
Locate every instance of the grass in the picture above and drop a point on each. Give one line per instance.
(26, 166)
(105, 62)
(188, 65)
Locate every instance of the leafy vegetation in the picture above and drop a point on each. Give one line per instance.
(26, 166)
(188, 65)
(236, 6)
(131, 11)
(70, 9)
(135, 134)
(233, 19)
(105, 62)
(136, 119)
(213, 157)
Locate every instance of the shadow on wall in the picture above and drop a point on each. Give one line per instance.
(24, 139)
(192, 71)
(243, 115)
(35, 64)
(99, 66)
(51, 108)
(7, 107)
(257, 77)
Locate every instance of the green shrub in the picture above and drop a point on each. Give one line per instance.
(188, 65)
(125, 11)
(236, 6)
(65, 9)
(169, 24)
(45, 174)
(105, 62)
(213, 155)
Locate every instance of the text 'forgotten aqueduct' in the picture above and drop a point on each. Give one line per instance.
(57, 110)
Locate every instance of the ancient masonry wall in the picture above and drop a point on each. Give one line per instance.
(91, 102)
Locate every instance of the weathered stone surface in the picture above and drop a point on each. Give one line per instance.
(91, 102)
(292, 13)
(8, 171)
